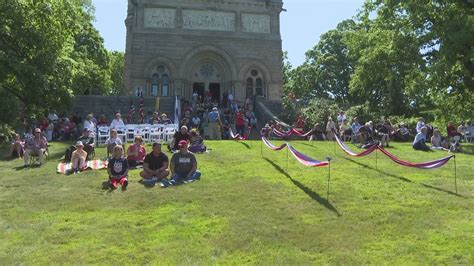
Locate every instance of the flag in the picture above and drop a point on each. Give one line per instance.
(142, 110)
(177, 111)
(131, 112)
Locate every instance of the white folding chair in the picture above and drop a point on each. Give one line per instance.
(102, 134)
(143, 131)
(156, 133)
(130, 132)
(122, 133)
(168, 133)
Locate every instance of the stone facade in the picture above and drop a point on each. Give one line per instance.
(177, 47)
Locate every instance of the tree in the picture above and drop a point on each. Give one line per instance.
(116, 69)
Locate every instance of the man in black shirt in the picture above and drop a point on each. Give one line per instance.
(182, 134)
(155, 166)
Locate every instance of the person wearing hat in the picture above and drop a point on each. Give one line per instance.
(37, 146)
(88, 143)
(182, 134)
(89, 122)
(117, 122)
(155, 165)
(215, 123)
(79, 158)
(183, 166)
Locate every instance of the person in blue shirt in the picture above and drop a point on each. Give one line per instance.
(420, 140)
(215, 123)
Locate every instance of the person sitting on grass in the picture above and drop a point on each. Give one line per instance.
(197, 143)
(182, 134)
(118, 169)
(155, 166)
(437, 141)
(37, 146)
(113, 140)
(420, 139)
(136, 152)
(88, 143)
(183, 166)
(79, 158)
(17, 148)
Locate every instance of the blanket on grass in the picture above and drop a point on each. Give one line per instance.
(64, 168)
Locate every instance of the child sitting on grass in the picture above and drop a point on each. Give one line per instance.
(78, 158)
(118, 169)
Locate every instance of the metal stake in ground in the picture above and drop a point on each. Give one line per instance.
(287, 158)
(329, 176)
(455, 175)
(376, 159)
(261, 147)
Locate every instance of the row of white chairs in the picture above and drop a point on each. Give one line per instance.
(149, 133)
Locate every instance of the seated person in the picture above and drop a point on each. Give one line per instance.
(420, 139)
(182, 134)
(102, 121)
(155, 165)
(112, 141)
(79, 158)
(383, 133)
(183, 166)
(437, 141)
(17, 147)
(299, 124)
(136, 152)
(117, 122)
(37, 146)
(196, 142)
(317, 133)
(165, 120)
(452, 131)
(118, 169)
(402, 133)
(265, 131)
(88, 143)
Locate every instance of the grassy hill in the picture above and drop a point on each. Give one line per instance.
(245, 210)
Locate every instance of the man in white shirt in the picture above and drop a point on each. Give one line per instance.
(341, 117)
(89, 124)
(117, 122)
(420, 124)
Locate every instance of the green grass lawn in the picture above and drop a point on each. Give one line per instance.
(245, 210)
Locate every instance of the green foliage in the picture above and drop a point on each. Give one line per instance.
(319, 110)
(362, 112)
(245, 210)
(397, 58)
(117, 65)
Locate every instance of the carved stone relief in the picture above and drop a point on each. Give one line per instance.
(160, 17)
(208, 20)
(256, 23)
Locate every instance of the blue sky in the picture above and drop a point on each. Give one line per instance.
(301, 25)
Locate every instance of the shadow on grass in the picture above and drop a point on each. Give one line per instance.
(467, 149)
(315, 196)
(404, 179)
(307, 144)
(443, 190)
(380, 171)
(245, 144)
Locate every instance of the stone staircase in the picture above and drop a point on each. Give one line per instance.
(109, 105)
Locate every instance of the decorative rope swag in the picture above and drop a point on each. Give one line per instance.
(300, 157)
(290, 132)
(424, 165)
(237, 136)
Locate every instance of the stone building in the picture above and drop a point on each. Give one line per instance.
(177, 47)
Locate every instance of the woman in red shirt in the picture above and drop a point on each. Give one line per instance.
(136, 152)
(240, 122)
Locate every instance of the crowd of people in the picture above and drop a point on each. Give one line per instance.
(381, 132)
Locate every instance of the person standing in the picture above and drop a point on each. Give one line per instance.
(215, 123)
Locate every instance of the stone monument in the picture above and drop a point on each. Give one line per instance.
(205, 47)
